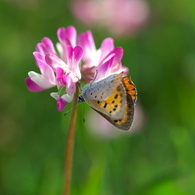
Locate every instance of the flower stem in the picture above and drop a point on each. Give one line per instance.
(70, 147)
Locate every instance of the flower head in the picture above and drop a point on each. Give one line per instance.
(76, 58)
(125, 17)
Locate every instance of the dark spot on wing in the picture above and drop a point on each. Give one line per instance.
(116, 96)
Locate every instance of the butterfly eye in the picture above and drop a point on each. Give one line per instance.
(81, 99)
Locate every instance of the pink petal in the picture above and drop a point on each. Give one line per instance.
(40, 80)
(86, 41)
(74, 54)
(61, 104)
(49, 45)
(59, 73)
(46, 70)
(106, 46)
(54, 61)
(40, 48)
(116, 66)
(62, 101)
(46, 46)
(59, 76)
(78, 53)
(69, 50)
(67, 36)
(38, 56)
(117, 53)
(71, 34)
(104, 70)
(61, 33)
(70, 85)
(65, 80)
(32, 86)
(91, 55)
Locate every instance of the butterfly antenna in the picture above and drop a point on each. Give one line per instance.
(71, 109)
(96, 73)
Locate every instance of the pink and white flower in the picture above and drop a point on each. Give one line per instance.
(76, 58)
(120, 17)
(38, 82)
(105, 60)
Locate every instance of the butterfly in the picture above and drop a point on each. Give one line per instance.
(113, 97)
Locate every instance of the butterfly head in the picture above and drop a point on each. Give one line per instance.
(80, 99)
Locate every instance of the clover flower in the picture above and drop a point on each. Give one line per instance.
(74, 59)
(119, 17)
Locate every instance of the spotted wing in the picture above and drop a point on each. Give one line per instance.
(114, 105)
(102, 89)
(126, 121)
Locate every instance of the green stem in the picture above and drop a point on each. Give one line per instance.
(70, 146)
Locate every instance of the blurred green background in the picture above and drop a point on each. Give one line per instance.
(159, 159)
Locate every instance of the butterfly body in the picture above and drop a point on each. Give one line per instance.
(112, 97)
